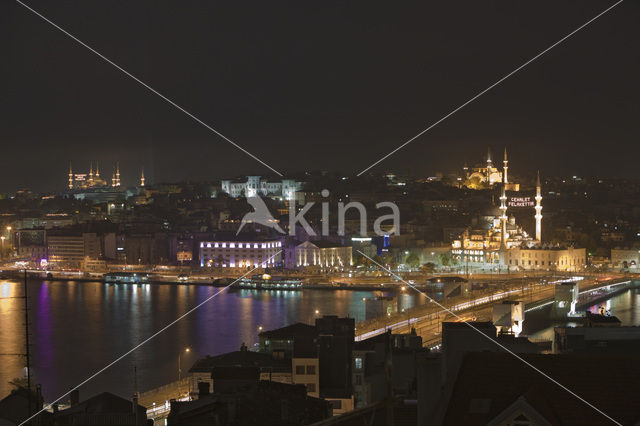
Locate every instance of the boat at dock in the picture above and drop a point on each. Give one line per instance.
(268, 282)
(126, 278)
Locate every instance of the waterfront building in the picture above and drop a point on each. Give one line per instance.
(547, 258)
(252, 186)
(625, 258)
(72, 250)
(323, 255)
(241, 252)
(494, 240)
(481, 244)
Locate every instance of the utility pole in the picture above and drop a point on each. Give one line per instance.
(27, 352)
(26, 343)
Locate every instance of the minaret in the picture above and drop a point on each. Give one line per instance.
(505, 166)
(97, 169)
(142, 177)
(538, 209)
(118, 173)
(489, 165)
(70, 176)
(503, 217)
(113, 177)
(91, 173)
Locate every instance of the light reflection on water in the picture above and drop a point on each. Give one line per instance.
(79, 327)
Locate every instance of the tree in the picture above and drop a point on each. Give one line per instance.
(445, 259)
(428, 268)
(413, 260)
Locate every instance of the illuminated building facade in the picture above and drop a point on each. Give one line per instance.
(86, 180)
(241, 253)
(93, 180)
(323, 255)
(493, 235)
(489, 175)
(567, 259)
(256, 185)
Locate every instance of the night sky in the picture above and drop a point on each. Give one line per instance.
(315, 85)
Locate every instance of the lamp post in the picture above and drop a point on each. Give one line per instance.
(186, 350)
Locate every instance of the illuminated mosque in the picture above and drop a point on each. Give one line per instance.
(495, 241)
(488, 175)
(93, 180)
(493, 233)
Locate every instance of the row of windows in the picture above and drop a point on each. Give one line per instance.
(242, 245)
(310, 369)
(562, 262)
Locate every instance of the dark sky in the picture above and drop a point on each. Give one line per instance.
(316, 85)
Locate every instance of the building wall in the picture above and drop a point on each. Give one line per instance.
(569, 259)
(309, 255)
(306, 371)
(240, 254)
(620, 256)
(65, 250)
(254, 185)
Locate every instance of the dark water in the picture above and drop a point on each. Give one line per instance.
(80, 327)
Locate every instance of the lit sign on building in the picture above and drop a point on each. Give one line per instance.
(521, 202)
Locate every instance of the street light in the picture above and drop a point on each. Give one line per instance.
(186, 350)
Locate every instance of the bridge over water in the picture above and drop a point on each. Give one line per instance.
(536, 293)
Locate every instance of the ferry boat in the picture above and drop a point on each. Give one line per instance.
(269, 282)
(126, 278)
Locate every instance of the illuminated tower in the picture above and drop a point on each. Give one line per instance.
(97, 169)
(118, 174)
(70, 176)
(489, 165)
(538, 209)
(91, 173)
(142, 177)
(503, 217)
(505, 166)
(113, 177)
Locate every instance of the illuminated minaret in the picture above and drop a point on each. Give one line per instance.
(113, 177)
(70, 176)
(142, 177)
(91, 173)
(97, 169)
(505, 166)
(503, 217)
(538, 209)
(118, 174)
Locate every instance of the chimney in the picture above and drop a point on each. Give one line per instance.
(203, 389)
(74, 397)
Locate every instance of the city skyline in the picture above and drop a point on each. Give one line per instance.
(358, 106)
